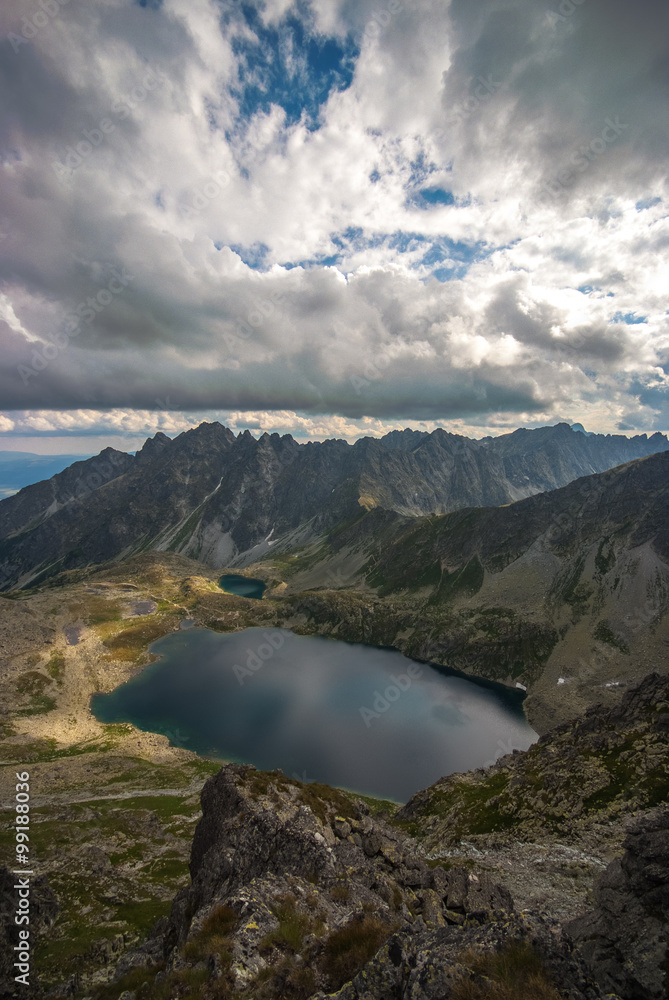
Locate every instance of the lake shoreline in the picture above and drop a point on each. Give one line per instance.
(392, 715)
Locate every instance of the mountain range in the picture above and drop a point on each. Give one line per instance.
(228, 500)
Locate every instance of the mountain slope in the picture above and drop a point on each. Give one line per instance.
(223, 499)
(34, 503)
(22, 468)
(565, 593)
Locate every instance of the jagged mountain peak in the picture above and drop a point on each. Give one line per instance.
(154, 446)
(215, 496)
(405, 440)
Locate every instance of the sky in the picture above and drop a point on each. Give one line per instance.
(331, 217)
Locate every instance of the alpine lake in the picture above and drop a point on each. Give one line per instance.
(357, 717)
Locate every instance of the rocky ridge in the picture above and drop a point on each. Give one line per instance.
(297, 891)
(580, 781)
(223, 499)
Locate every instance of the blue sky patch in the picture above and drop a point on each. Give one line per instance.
(437, 196)
(254, 256)
(446, 258)
(641, 206)
(286, 64)
(630, 318)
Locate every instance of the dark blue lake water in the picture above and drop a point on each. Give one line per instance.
(353, 716)
(242, 586)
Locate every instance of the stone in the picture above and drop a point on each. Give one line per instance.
(624, 940)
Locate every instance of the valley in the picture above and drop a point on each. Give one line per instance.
(563, 593)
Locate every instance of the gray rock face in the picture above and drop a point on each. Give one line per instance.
(284, 873)
(32, 504)
(422, 964)
(625, 940)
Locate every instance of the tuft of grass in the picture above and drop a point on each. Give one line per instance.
(56, 667)
(515, 973)
(340, 893)
(32, 683)
(350, 947)
(285, 979)
(292, 929)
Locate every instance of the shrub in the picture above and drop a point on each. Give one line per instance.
(515, 973)
(212, 937)
(340, 893)
(56, 667)
(348, 949)
(293, 927)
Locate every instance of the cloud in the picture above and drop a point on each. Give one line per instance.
(260, 180)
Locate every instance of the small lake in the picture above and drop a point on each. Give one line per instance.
(242, 586)
(352, 716)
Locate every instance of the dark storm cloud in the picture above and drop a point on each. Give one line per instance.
(533, 109)
(559, 72)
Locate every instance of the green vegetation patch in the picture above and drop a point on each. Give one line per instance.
(32, 683)
(350, 947)
(100, 611)
(130, 643)
(321, 799)
(604, 633)
(463, 582)
(516, 972)
(56, 667)
(293, 926)
(475, 807)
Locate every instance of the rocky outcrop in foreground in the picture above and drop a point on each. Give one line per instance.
(625, 939)
(298, 891)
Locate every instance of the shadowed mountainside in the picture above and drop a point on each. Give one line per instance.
(226, 500)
